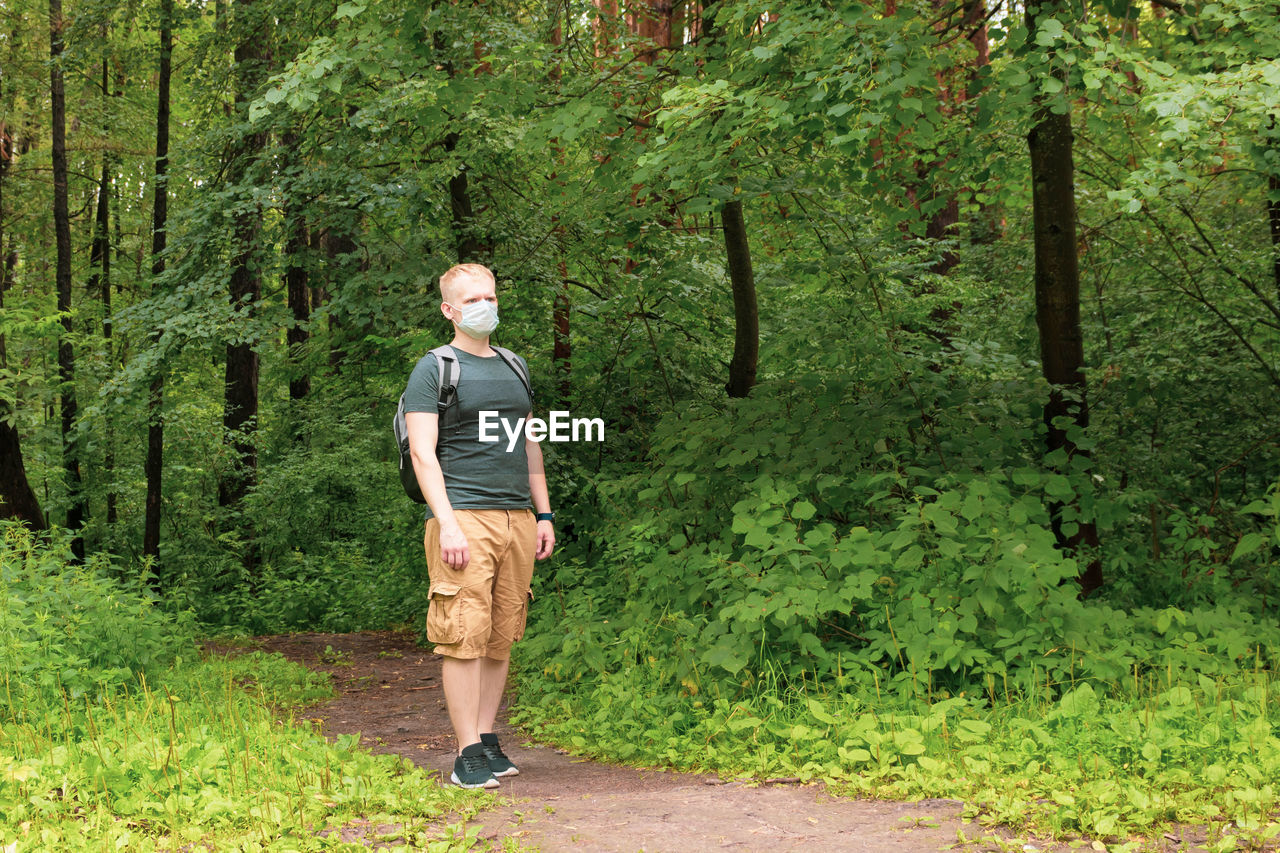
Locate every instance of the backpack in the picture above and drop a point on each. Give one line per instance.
(448, 370)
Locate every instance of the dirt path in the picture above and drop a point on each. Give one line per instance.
(390, 693)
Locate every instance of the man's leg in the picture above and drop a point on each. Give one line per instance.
(493, 680)
(463, 686)
(511, 581)
(458, 622)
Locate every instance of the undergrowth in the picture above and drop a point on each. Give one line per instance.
(116, 735)
(1118, 762)
(809, 583)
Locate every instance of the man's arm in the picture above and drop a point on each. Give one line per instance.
(424, 430)
(541, 501)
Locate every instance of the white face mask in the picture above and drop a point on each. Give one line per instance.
(479, 319)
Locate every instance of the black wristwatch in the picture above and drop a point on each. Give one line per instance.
(545, 516)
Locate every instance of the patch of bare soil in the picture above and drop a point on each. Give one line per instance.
(389, 693)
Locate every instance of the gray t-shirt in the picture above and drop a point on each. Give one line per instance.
(478, 475)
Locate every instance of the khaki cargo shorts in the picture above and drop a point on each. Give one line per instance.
(481, 610)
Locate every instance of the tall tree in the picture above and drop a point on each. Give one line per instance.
(954, 82)
(154, 466)
(1057, 281)
(17, 500)
(297, 291)
(1273, 206)
(100, 281)
(240, 408)
(561, 312)
(62, 237)
(746, 316)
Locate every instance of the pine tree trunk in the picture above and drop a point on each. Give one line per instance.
(62, 236)
(154, 466)
(746, 342)
(1057, 284)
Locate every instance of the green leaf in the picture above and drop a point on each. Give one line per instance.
(1048, 31)
(820, 713)
(1080, 702)
(1248, 543)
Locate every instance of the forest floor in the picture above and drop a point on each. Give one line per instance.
(389, 693)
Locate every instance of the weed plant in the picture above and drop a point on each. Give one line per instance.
(855, 578)
(116, 735)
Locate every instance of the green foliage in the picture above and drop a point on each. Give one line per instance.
(1111, 761)
(880, 511)
(111, 739)
(854, 572)
(76, 630)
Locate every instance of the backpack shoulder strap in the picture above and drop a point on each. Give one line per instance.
(447, 372)
(517, 367)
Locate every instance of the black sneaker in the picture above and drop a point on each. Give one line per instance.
(499, 764)
(471, 769)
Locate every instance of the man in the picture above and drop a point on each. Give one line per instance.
(481, 538)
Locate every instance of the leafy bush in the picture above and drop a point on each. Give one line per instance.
(76, 629)
(197, 758)
(114, 735)
(815, 572)
(340, 588)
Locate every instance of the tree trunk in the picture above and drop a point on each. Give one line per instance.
(606, 26)
(62, 236)
(988, 225)
(561, 347)
(1057, 283)
(100, 280)
(471, 249)
(1273, 216)
(654, 28)
(240, 409)
(297, 291)
(17, 500)
(154, 465)
(1273, 208)
(340, 250)
(746, 316)
(746, 343)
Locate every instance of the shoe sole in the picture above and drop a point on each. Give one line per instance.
(485, 784)
(510, 771)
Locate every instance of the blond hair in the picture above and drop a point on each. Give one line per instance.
(453, 273)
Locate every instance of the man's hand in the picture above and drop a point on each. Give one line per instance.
(546, 540)
(453, 547)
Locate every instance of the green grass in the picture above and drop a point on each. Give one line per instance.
(1120, 762)
(204, 757)
(115, 735)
